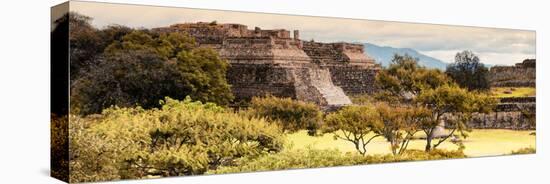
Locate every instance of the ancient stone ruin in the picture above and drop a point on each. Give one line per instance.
(521, 75)
(272, 62)
(517, 113)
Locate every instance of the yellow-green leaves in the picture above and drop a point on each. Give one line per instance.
(291, 115)
(180, 138)
(357, 125)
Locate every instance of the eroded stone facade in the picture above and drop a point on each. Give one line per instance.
(521, 75)
(517, 113)
(272, 62)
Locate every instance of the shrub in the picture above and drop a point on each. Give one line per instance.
(92, 157)
(294, 159)
(181, 138)
(291, 115)
(59, 151)
(314, 158)
(529, 150)
(364, 99)
(416, 155)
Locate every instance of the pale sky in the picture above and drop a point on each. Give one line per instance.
(493, 46)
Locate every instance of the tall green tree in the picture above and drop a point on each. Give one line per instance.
(86, 44)
(145, 67)
(468, 71)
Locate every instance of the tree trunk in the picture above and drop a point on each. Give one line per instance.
(429, 138)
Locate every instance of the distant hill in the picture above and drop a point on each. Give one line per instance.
(384, 55)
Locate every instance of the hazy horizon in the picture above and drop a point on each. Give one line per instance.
(493, 45)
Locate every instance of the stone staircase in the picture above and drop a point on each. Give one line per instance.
(314, 84)
(332, 94)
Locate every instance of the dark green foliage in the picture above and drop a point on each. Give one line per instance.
(313, 158)
(290, 114)
(182, 138)
(127, 79)
(144, 68)
(121, 66)
(468, 72)
(86, 44)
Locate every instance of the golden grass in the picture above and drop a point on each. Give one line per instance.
(481, 142)
(516, 92)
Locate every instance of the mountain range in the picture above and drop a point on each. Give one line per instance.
(384, 54)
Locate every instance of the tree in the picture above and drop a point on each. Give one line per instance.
(405, 82)
(401, 123)
(86, 44)
(144, 68)
(291, 115)
(127, 79)
(404, 79)
(468, 71)
(356, 124)
(452, 100)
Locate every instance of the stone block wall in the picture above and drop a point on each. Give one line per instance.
(354, 79)
(350, 68)
(521, 75)
(271, 62)
(515, 113)
(249, 80)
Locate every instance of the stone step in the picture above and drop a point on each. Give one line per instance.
(332, 94)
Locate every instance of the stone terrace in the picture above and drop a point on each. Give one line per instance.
(272, 62)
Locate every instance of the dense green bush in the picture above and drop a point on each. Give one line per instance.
(181, 138)
(292, 115)
(126, 79)
(314, 158)
(92, 157)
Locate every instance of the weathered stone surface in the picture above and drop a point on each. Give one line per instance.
(271, 62)
(510, 113)
(521, 75)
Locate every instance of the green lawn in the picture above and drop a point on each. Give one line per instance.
(516, 92)
(481, 142)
